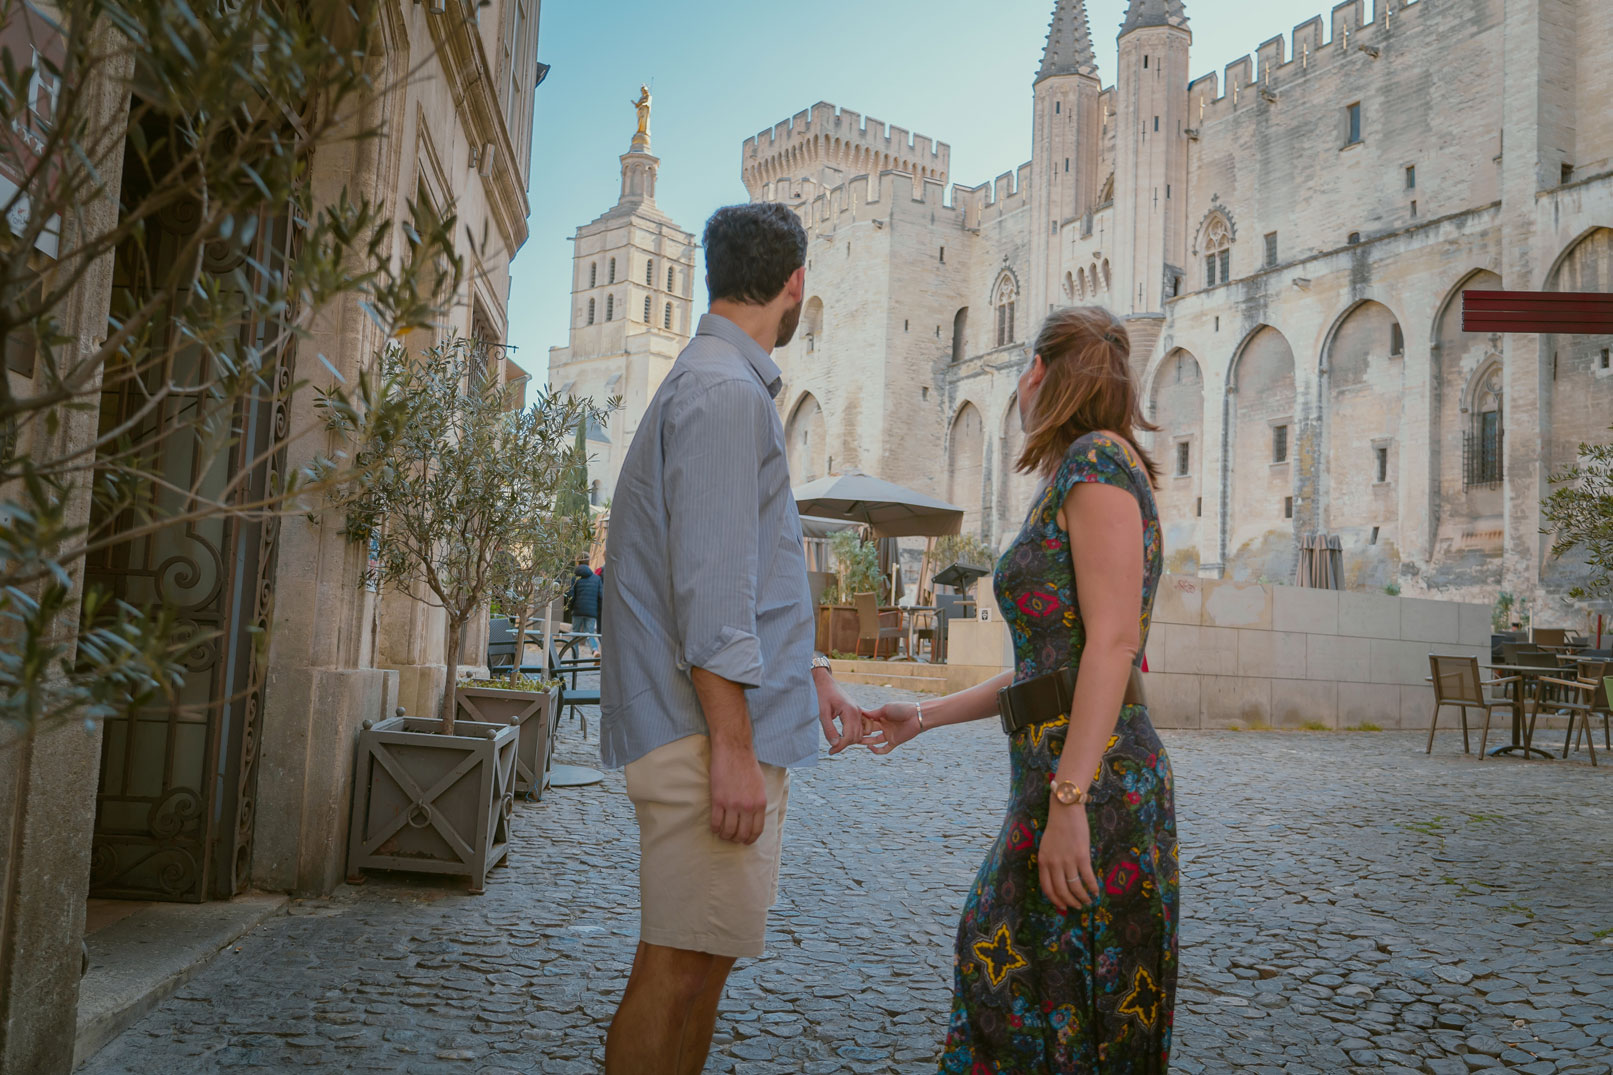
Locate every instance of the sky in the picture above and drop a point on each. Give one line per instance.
(722, 71)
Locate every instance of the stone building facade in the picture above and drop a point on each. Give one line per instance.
(454, 128)
(1288, 241)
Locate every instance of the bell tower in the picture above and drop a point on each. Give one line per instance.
(632, 306)
(1065, 149)
(1150, 165)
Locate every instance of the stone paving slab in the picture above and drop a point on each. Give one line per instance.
(1349, 905)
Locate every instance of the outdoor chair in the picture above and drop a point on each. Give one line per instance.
(1457, 683)
(1527, 653)
(1583, 699)
(564, 663)
(871, 624)
(1549, 636)
(501, 647)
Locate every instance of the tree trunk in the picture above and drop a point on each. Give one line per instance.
(456, 640)
(520, 644)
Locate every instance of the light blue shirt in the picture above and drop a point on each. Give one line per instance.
(704, 566)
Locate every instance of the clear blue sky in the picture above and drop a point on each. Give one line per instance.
(722, 70)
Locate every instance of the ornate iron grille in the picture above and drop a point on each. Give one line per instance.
(1481, 459)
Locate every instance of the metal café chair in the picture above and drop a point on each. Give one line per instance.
(1457, 683)
(1583, 699)
(564, 663)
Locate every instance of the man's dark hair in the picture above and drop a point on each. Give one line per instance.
(751, 252)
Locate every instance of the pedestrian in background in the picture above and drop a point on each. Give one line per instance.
(586, 590)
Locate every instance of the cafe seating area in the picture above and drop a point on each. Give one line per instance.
(1541, 673)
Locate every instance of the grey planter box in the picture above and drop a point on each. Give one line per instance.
(536, 715)
(432, 803)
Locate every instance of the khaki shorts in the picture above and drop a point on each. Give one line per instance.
(698, 892)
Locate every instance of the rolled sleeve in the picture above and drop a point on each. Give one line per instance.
(713, 449)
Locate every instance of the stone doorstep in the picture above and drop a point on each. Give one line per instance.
(138, 961)
(919, 676)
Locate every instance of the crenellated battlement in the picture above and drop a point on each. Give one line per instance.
(867, 197)
(831, 144)
(1251, 80)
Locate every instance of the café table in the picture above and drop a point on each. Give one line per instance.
(913, 613)
(1519, 692)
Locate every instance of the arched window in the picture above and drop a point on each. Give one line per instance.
(647, 307)
(612, 276)
(649, 274)
(960, 329)
(1485, 441)
(1215, 245)
(590, 311)
(610, 307)
(812, 323)
(593, 274)
(667, 323)
(1106, 281)
(1004, 297)
(671, 277)
(1081, 282)
(1069, 287)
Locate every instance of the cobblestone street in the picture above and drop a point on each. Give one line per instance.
(1349, 905)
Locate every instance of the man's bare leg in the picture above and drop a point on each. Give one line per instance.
(702, 1021)
(664, 989)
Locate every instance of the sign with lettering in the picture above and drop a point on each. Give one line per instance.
(35, 44)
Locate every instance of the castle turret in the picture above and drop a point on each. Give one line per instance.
(632, 306)
(1150, 236)
(1066, 145)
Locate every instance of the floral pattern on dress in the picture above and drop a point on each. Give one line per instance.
(1036, 991)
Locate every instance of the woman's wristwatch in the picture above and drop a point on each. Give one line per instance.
(1069, 793)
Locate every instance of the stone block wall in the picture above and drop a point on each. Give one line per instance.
(1223, 654)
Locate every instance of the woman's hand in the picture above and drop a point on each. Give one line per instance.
(892, 725)
(1064, 858)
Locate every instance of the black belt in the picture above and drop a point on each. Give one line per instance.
(1048, 697)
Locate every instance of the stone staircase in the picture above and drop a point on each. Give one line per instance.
(898, 675)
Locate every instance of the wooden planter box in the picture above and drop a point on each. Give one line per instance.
(534, 714)
(432, 803)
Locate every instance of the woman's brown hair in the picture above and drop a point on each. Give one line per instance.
(1088, 388)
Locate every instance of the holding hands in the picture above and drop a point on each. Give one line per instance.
(891, 725)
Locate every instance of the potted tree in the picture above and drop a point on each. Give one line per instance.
(449, 487)
(550, 531)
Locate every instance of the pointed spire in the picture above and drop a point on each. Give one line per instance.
(1069, 42)
(1142, 13)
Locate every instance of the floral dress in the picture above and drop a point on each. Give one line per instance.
(1037, 991)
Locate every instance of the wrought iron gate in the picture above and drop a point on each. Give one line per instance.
(174, 807)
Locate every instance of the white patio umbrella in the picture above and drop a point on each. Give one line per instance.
(890, 510)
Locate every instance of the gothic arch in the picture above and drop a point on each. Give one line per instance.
(1258, 472)
(812, 324)
(1175, 404)
(1217, 220)
(1450, 305)
(1004, 307)
(1363, 308)
(1106, 193)
(966, 444)
(806, 441)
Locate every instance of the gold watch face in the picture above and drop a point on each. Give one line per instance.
(1067, 793)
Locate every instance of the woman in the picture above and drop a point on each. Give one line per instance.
(1066, 953)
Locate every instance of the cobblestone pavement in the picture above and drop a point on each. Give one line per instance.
(1349, 905)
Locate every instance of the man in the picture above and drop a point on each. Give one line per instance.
(586, 589)
(709, 683)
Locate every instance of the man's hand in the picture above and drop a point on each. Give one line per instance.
(833, 706)
(738, 795)
(890, 726)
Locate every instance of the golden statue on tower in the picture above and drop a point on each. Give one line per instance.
(643, 107)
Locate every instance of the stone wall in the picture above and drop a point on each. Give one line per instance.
(1224, 654)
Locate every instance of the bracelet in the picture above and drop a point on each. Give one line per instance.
(919, 707)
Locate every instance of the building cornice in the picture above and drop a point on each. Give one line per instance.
(464, 61)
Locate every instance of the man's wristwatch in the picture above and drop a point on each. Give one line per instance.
(820, 661)
(1069, 793)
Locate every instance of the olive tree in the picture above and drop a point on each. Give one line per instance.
(117, 116)
(463, 481)
(1579, 516)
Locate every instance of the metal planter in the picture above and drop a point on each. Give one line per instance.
(535, 714)
(432, 803)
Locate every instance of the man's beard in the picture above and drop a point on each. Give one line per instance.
(787, 327)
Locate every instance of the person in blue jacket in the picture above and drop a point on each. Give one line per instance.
(585, 593)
